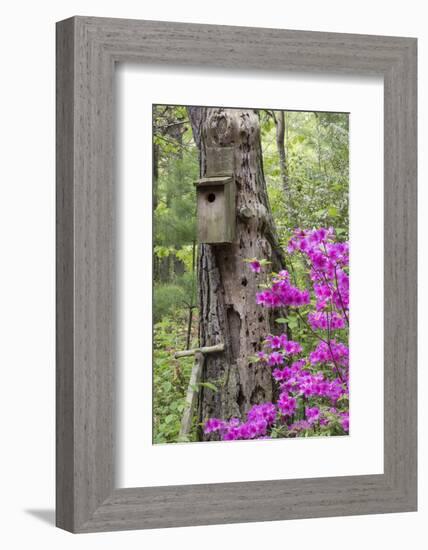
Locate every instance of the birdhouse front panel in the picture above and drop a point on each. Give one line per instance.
(216, 210)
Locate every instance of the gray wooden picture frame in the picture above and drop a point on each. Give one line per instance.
(87, 50)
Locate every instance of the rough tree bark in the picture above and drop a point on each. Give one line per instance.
(227, 290)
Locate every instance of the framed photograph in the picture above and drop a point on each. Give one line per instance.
(236, 274)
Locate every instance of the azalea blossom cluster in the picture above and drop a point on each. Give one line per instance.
(281, 349)
(332, 351)
(282, 293)
(312, 384)
(323, 321)
(328, 262)
(259, 419)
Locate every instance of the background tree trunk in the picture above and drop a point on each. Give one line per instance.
(281, 129)
(227, 288)
(280, 135)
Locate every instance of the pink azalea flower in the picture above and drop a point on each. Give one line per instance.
(275, 358)
(255, 266)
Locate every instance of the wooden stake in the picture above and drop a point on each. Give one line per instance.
(208, 349)
(195, 378)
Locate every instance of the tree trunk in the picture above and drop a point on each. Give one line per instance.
(280, 135)
(227, 288)
(279, 117)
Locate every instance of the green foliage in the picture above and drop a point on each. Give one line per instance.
(170, 380)
(176, 167)
(185, 255)
(174, 201)
(315, 192)
(167, 298)
(175, 296)
(291, 321)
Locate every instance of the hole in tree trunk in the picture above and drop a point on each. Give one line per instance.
(234, 322)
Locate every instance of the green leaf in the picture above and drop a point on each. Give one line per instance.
(264, 262)
(209, 385)
(167, 386)
(293, 322)
(319, 213)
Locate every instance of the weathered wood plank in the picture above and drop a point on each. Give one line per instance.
(192, 394)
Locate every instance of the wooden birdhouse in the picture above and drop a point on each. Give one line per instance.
(216, 202)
